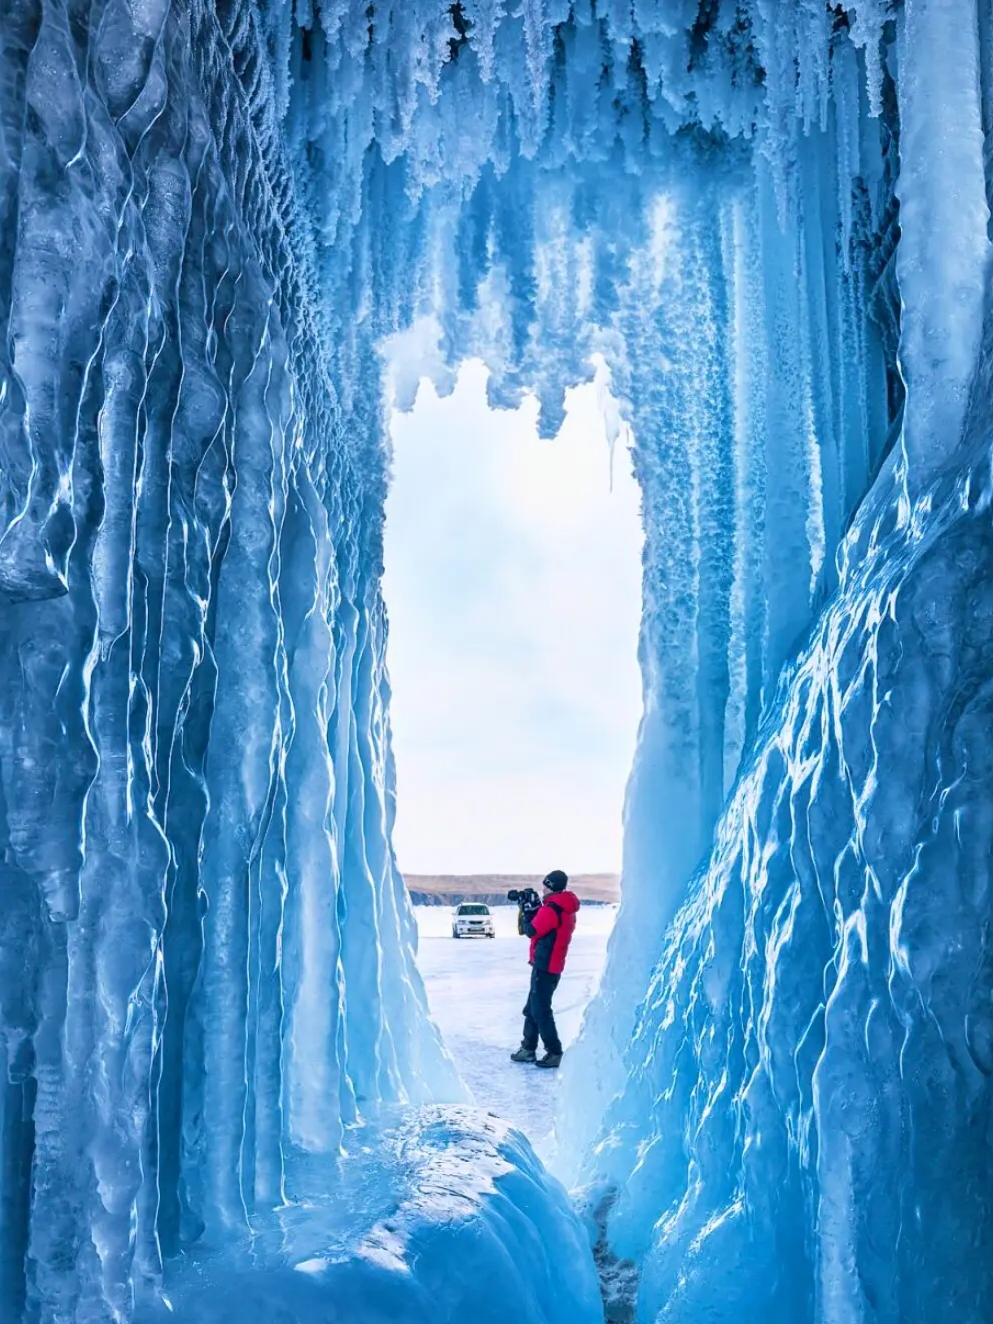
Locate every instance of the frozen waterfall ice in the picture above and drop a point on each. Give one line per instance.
(770, 220)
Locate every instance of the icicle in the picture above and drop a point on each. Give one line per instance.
(867, 35)
(944, 250)
(845, 88)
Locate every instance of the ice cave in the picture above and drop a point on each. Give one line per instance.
(226, 225)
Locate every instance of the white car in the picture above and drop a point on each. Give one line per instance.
(472, 920)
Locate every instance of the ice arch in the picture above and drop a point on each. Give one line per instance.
(213, 214)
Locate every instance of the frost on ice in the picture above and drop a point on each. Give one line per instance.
(770, 221)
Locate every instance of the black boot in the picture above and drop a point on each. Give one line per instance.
(549, 1060)
(523, 1055)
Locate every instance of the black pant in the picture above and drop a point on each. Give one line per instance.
(538, 1018)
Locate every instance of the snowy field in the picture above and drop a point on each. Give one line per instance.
(477, 989)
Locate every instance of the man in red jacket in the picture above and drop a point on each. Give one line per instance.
(550, 929)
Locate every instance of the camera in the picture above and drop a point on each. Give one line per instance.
(528, 905)
(527, 898)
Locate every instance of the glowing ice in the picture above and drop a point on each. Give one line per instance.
(213, 217)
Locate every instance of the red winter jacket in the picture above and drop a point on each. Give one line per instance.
(551, 931)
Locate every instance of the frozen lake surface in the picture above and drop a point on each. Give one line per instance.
(477, 989)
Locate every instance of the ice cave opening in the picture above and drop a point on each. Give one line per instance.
(512, 583)
(221, 1095)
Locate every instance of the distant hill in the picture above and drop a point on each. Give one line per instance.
(492, 888)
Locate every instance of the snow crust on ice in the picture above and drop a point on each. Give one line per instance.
(439, 1214)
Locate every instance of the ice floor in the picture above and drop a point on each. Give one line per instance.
(428, 1215)
(477, 989)
(427, 1220)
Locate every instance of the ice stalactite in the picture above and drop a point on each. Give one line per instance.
(944, 249)
(760, 404)
(815, 1031)
(196, 792)
(816, 1141)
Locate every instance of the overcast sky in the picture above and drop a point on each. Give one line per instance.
(513, 588)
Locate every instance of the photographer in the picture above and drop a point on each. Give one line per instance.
(549, 923)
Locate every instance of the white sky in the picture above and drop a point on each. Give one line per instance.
(513, 584)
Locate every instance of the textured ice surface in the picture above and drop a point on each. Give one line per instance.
(443, 1214)
(213, 218)
(206, 952)
(812, 1052)
(805, 1131)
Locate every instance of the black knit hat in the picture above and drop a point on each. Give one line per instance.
(556, 880)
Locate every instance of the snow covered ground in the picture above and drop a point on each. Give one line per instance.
(477, 990)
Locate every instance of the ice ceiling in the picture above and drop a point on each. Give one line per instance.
(771, 220)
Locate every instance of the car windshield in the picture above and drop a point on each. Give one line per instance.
(473, 910)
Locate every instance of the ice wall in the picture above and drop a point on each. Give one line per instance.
(804, 1132)
(799, 1128)
(206, 951)
(215, 214)
(760, 363)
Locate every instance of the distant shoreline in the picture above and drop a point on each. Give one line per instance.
(492, 888)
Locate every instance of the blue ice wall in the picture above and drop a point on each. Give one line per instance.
(206, 952)
(804, 1129)
(771, 220)
(799, 1127)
